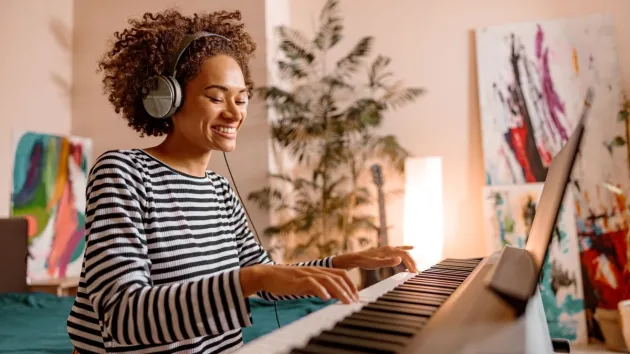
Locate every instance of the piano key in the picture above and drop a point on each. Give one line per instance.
(411, 300)
(422, 295)
(393, 318)
(319, 349)
(370, 346)
(370, 334)
(388, 307)
(436, 283)
(395, 329)
(388, 318)
(298, 333)
(426, 289)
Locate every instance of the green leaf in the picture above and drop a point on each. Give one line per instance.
(618, 141)
(623, 116)
(329, 33)
(350, 63)
(295, 52)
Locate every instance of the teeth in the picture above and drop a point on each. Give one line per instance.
(227, 130)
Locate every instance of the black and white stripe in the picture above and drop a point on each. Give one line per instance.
(162, 261)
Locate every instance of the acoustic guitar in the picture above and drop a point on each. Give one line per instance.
(373, 276)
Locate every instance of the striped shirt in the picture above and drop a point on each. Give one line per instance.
(162, 260)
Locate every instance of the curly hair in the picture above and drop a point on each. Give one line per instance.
(144, 50)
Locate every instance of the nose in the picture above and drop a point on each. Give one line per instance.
(231, 113)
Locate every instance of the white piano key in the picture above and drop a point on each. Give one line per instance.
(299, 332)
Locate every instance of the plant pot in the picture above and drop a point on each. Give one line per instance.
(624, 318)
(610, 325)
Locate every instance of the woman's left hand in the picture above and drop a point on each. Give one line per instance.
(381, 257)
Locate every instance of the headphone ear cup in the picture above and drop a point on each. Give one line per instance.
(159, 103)
(177, 97)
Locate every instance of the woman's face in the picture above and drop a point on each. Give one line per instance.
(214, 106)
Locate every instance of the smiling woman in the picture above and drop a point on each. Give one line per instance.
(169, 259)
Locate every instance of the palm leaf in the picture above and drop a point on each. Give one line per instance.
(330, 30)
(350, 63)
(388, 148)
(376, 76)
(397, 95)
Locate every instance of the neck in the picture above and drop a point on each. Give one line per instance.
(181, 155)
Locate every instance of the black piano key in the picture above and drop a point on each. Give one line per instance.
(456, 279)
(399, 308)
(436, 283)
(389, 318)
(369, 334)
(320, 349)
(411, 300)
(437, 297)
(387, 328)
(351, 343)
(426, 289)
(458, 263)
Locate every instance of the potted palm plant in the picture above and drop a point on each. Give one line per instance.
(327, 123)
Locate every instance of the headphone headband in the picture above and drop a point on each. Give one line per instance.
(185, 43)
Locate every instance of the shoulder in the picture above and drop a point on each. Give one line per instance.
(123, 165)
(222, 186)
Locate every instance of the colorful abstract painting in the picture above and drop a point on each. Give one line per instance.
(532, 83)
(49, 180)
(508, 213)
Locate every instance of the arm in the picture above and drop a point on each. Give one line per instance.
(251, 252)
(117, 270)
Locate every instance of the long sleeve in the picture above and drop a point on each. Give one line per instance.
(131, 309)
(251, 252)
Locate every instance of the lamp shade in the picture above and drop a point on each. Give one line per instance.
(424, 210)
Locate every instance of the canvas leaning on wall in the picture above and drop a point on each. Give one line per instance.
(48, 189)
(508, 214)
(532, 81)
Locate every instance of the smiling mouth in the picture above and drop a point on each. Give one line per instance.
(228, 132)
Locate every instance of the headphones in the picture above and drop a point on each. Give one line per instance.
(165, 96)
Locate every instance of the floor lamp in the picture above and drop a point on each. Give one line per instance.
(424, 210)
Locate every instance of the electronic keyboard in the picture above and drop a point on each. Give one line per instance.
(446, 301)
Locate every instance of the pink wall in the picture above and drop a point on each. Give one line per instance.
(35, 90)
(431, 45)
(36, 71)
(93, 116)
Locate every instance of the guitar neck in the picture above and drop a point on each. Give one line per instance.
(382, 231)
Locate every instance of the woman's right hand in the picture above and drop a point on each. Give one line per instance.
(280, 280)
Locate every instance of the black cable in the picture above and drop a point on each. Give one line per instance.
(275, 303)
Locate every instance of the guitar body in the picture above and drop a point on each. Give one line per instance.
(373, 276)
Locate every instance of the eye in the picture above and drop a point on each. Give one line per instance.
(240, 103)
(215, 100)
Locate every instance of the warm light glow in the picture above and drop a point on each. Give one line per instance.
(424, 210)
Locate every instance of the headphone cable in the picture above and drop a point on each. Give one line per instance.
(251, 221)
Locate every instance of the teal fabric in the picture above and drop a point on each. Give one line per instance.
(36, 322)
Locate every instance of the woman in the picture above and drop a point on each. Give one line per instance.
(169, 260)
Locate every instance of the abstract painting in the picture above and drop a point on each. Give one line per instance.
(532, 82)
(508, 213)
(49, 180)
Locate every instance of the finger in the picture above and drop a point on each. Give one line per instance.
(405, 248)
(334, 288)
(313, 287)
(352, 288)
(409, 262)
(381, 262)
(343, 280)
